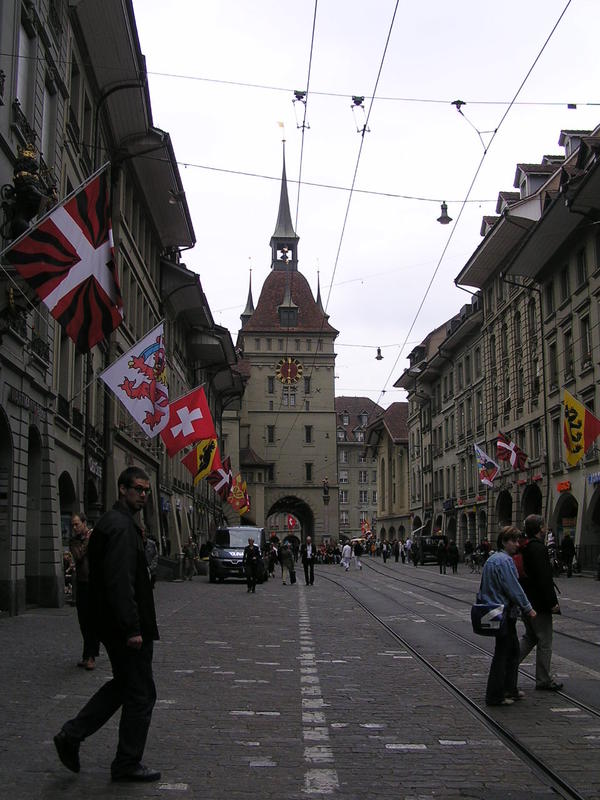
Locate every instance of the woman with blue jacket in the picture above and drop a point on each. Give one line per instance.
(500, 586)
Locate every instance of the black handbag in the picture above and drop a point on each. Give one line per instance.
(488, 620)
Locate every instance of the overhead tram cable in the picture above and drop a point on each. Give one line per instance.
(470, 189)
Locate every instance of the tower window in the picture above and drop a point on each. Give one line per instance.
(270, 434)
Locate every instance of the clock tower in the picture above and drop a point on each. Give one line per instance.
(287, 419)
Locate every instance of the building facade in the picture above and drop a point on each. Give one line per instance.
(530, 333)
(357, 468)
(64, 112)
(387, 439)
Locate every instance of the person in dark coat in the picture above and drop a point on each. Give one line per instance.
(442, 556)
(78, 546)
(567, 553)
(307, 553)
(122, 605)
(453, 556)
(251, 563)
(538, 583)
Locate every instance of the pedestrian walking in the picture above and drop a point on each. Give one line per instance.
(346, 555)
(286, 559)
(396, 550)
(442, 556)
(385, 551)
(538, 584)
(189, 559)
(251, 562)
(122, 605)
(567, 553)
(78, 546)
(307, 553)
(453, 556)
(500, 586)
(358, 551)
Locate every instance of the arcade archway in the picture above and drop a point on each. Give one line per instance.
(565, 516)
(6, 477)
(589, 545)
(532, 500)
(504, 506)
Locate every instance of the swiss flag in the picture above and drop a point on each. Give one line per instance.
(189, 421)
(291, 522)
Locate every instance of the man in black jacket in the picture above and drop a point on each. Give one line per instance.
(307, 553)
(538, 584)
(251, 563)
(122, 606)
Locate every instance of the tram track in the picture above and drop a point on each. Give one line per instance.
(549, 775)
(468, 602)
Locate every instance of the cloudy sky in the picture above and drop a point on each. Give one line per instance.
(222, 76)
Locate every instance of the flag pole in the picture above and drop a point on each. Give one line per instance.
(50, 211)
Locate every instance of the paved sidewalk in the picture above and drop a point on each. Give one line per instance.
(287, 693)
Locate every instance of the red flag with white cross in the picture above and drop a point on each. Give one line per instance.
(189, 421)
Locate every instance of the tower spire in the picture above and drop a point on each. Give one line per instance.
(319, 301)
(284, 242)
(249, 310)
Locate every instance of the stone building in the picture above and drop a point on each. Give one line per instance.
(445, 386)
(387, 439)
(287, 420)
(357, 468)
(65, 110)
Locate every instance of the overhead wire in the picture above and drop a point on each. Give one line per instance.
(318, 93)
(470, 189)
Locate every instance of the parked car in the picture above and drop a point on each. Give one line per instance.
(227, 554)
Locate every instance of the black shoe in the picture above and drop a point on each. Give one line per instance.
(140, 773)
(68, 751)
(549, 687)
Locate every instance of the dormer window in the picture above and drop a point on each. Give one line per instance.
(345, 419)
(363, 419)
(341, 436)
(288, 317)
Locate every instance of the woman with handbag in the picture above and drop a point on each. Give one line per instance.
(500, 587)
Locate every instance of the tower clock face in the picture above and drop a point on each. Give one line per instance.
(289, 370)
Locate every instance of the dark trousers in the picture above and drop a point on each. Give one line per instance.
(251, 575)
(309, 571)
(131, 689)
(504, 669)
(91, 645)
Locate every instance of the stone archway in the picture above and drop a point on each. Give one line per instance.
(531, 502)
(298, 508)
(451, 527)
(34, 517)
(417, 524)
(504, 507)
(7, 590)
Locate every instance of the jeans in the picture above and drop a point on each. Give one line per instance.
(131, 689)
(538, 634)
(504, 669)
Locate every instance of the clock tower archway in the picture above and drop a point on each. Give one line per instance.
(297, 507)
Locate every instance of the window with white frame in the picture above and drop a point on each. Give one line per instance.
(343, 475)
(362, 476)
(343, 456)
(344, 519)
(343, 495)
(363, 497)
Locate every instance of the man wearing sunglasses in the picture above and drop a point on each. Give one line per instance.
(122, 605)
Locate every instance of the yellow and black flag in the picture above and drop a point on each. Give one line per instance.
(200, 461)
